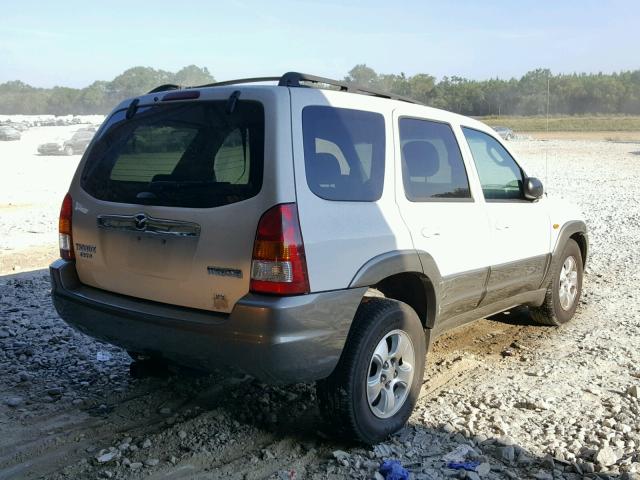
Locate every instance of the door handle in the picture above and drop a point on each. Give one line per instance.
(429, 233)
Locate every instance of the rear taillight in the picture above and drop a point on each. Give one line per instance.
(279, 265)
(64, 229)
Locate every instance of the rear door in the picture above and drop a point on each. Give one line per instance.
(167, 202)
(441, 206)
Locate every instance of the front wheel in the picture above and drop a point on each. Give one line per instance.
(376, 384)
(564, 289)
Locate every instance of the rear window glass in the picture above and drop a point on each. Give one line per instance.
(344, 153)
(182, 155)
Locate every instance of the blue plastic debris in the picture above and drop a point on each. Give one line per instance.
(470, 466)
(393, 470)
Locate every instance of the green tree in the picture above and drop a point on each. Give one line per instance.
(362, 75)
(422, 87)
(193, 75)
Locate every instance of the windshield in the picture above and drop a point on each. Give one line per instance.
(185, 155)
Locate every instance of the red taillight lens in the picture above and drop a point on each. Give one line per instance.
(278, 265)
(64, 229)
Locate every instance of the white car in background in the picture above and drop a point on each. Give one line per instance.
(505, 132)
(76, 145)
(8, 133)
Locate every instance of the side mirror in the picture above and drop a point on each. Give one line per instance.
(533, 188)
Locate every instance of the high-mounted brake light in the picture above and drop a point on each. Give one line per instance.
(64, 229)
(279, 265)
(181, 95)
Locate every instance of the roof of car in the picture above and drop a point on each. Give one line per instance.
(328, 88)
(297, 79)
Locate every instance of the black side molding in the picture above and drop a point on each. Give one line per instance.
(385, 265)
(404, 261)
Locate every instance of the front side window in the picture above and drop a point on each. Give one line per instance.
(193, 154)
(432, 165)
(344, 153)
(500, 176)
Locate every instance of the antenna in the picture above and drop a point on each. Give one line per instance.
(546, 150)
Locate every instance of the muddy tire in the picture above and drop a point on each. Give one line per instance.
(376, 383)
(564, 289)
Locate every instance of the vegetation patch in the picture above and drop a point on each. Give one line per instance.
(586, 123)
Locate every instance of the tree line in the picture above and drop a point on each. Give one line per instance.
(100, 97)
(568, 94)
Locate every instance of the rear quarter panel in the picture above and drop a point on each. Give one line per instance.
(341, 236)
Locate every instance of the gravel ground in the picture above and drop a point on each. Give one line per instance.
(521, 401)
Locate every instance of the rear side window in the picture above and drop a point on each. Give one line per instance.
(432, 165)
(187, 155)
(344, 153)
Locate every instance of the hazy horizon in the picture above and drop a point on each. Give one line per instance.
(75, 44)
(337, 76)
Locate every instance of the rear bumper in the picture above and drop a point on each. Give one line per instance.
(276, 339)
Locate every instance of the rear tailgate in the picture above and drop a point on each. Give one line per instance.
(166, 203)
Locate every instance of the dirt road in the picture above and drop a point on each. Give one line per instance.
(530, 402)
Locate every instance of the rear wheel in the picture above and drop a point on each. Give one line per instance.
(564, 289)
(375, 386)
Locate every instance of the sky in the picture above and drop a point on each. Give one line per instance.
(72, 43)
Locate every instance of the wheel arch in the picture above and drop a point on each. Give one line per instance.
(408, 276)
(583, 243)
(573, 230)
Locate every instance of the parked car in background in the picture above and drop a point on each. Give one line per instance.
(505, 132)
(9, 133)
(76, 145)
(20, 126)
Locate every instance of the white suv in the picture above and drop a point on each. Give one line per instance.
(306, 234)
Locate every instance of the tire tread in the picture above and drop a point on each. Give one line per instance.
(547, 313)
(337, 405)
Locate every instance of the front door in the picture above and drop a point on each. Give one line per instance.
(520, 229)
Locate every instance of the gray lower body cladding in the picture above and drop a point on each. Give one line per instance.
(276, 339)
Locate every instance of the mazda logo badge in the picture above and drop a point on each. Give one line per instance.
(141, 221)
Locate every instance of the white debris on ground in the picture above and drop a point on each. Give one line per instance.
(510, 399)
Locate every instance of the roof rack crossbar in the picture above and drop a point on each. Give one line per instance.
(296, 79)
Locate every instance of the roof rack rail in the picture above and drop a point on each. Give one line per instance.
(240, 80)
(164, 88)
(296, 79)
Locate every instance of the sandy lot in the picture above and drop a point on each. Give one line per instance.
(523, 401)
(32, 187)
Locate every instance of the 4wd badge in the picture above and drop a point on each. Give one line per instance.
(85, 250)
